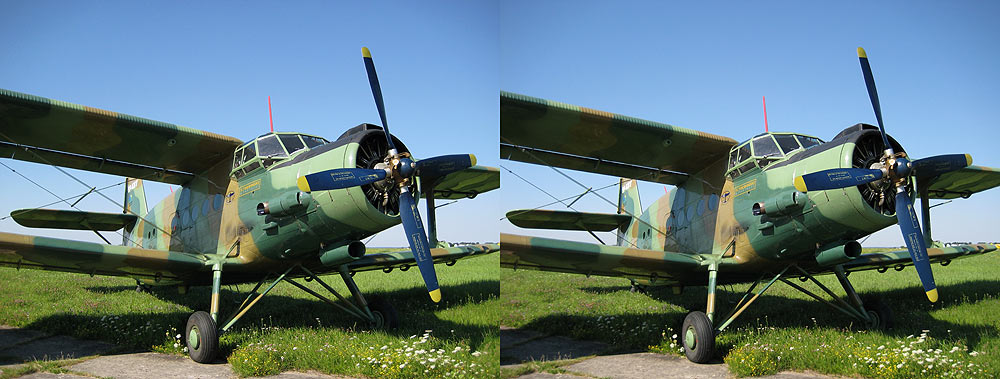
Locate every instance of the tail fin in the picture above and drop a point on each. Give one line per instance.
(628, 203)
(135, 198)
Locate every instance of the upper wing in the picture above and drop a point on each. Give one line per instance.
(17, 250)
(963, 182)
(404, 259)
(467, 183)
(901, 258)
(567, 220)
(655, 267)
(55, 132)
(546, 132)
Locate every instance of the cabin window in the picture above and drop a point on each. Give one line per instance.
(786, 142)
(291, 142)
(312, 142)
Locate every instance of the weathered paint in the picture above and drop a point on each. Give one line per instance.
(708, 218)
(212, 218)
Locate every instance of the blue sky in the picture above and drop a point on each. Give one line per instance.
(705, 66)
(212, 65)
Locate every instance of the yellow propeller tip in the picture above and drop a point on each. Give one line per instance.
(800, 184)
(861, 53)
(968, 159)
(365, 52)
(303, 184)
(932, 295)
(436, 295)
(473, 159)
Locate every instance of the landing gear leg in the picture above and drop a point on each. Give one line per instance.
(636, 287)
(141, 288)
(873, 314)
(201, 331)
(697, 333)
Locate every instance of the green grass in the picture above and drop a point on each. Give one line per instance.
(288, 329)
(963, 328)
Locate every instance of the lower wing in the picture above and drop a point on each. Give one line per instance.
(901, 258)
(24, 251)
(648, 266)
(403, 260)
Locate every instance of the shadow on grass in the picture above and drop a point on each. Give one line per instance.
(138, 331)
(911, 312)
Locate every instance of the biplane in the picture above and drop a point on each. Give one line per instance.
(773, 207)
(276, 208)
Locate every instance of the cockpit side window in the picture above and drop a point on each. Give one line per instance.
(237, 158)
(312, 142)
(808, 142)
(786, 142)
(744, 153)
(270, 147)
(291, 142)
(765, 147)
(249, 153)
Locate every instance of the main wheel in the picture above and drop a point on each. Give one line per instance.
(385, 313)
(879, 312)
(202, 337)
(698, 337)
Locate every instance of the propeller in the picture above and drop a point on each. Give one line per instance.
(399, 169)
(898, 169)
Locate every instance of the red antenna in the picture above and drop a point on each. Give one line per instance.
(269, 113)
(765, 113)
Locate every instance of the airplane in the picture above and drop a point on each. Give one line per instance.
(774, 207)
(276, 208)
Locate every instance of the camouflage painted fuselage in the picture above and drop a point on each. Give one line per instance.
(712, 213)
(217, 214)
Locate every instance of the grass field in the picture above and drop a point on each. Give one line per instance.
(784, 330)
(286, 330)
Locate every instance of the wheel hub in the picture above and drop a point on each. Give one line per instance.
(193, 340)
(690, 338)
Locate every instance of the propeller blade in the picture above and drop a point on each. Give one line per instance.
(417, 238)
(866, 70)
(376, 92)
(836, 178)
(907, 220)
(339, 178)
(445, 164)
(937, 165)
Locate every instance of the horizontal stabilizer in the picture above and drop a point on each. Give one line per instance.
(77, 220)
(567, 220)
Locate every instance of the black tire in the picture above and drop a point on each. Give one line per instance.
(698, 337)
(202, 337)
(880, 313)
(384, 312)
